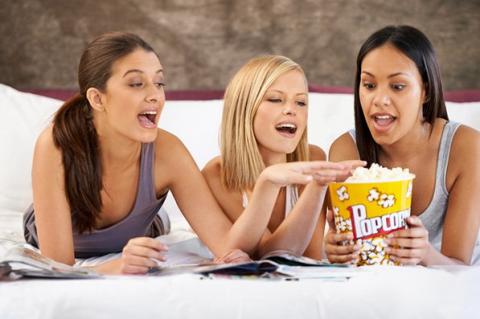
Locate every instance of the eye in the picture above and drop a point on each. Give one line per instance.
(301, 103)
(159, 84)
(368, 85)
(274, 100)
(136, 85)
(398, 87)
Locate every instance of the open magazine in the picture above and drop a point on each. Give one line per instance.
(17, 260)
(281, 263)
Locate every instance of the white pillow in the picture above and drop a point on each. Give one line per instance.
(23, 116)
(465, 113)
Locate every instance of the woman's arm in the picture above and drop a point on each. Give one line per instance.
(462, 221)
(295, 232)
(52, 212)
(204, 214)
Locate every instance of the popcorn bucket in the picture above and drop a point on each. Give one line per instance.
(371, 210)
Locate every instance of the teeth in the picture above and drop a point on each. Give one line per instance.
(150, 112)
(383, 117)
(286, 125)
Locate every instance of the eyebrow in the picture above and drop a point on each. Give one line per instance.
(301, 93)
(140, 71)
(390, 76)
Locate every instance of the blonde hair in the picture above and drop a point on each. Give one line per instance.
(241, 159)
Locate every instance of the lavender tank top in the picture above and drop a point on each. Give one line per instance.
(142, 220)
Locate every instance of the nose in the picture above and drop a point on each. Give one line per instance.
(382, 98)
(289, 109)
(155, 94)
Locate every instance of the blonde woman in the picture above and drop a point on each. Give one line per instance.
(264, 127)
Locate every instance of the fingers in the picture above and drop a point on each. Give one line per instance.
(408, 246)
(337, 251)
(140, 254)
(405, 256)
(301, 173)
(234, 256)
(321, 166)
(415, 230)
(414, 221)
(353, 163)
(148, 242)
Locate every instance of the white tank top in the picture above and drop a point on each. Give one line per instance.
(291, 197)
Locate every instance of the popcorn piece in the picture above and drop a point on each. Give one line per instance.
(342, 193)
(373, 195)
(386, 200)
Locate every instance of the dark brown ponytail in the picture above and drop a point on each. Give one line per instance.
(74, 132)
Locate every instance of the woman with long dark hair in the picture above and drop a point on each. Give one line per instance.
(401, 121)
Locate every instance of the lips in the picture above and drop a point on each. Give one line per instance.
(148, 119)
(286, 129)
(383, 122)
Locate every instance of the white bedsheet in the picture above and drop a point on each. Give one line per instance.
(378, 292)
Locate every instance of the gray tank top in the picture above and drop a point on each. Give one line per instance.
(141, 221)
(434, 215)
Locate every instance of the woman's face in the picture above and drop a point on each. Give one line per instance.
(391, 93)
(134, 96)
(282, 115)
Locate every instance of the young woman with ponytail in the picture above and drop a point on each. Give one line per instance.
(102, 170)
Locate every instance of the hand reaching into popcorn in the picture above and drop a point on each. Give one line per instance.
(322, 172)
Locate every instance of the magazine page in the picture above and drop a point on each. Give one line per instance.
(285, 257)
(17, 260)
(251, 268)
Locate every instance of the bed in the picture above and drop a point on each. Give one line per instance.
(376, 292)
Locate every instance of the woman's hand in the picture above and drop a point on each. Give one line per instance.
(409, 246)
(322, 172)
(234, 256)
(337, 246)
(140, 254)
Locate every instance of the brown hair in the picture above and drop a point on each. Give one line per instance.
(74, 132)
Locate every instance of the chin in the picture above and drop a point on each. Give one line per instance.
(148, 137)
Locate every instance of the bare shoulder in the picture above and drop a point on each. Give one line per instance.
(168, 141)
(466, 138)
(213, 169)
(230, 201)
(465, 149)
(316, 153)
(343, 148)
(45, 147)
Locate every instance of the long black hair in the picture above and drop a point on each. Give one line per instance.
(416, 46)
(74, 133)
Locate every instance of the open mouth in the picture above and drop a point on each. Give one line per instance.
(286, 128)
(383, 120)
(148, 119)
